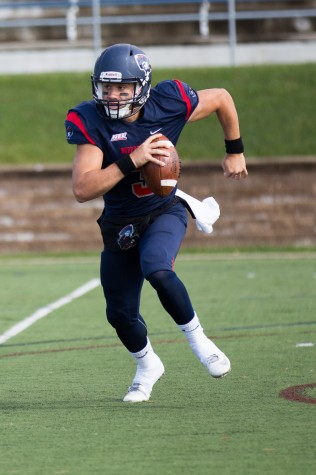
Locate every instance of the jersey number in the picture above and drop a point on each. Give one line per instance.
(140, 189)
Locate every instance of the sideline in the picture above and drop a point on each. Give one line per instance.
(184, 256)
(44, 311)
(67, 59)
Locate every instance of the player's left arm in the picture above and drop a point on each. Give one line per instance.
(219, 101)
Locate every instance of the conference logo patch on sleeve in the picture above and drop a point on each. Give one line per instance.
(69, 132)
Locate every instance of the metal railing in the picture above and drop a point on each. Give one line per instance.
(71, 19)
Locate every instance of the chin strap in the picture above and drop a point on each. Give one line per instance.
(204, 212)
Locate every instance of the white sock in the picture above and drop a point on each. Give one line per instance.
(145, 357)
(201, 346)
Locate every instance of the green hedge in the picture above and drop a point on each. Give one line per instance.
(275, 104)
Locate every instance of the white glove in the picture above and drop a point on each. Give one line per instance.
(205, 212)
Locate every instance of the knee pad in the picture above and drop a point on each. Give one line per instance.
(173, 295)
(119, 319)
(162, 279)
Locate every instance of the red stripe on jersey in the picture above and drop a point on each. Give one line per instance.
(75, 119)
(184, 97)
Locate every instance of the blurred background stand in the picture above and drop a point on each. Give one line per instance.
(94, 24)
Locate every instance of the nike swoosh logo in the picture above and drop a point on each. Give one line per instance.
(153, 132)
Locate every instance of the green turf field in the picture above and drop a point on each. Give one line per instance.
(275, 106)
(63, 378)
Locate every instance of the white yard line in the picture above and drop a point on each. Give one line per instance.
(44, 311)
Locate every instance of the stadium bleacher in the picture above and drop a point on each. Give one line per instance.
(161, 21)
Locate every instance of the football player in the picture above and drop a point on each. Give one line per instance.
(114, 134)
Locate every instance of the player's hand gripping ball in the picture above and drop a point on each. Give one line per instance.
(162, 180)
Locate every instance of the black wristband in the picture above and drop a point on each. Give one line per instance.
(234, 146)
(126, 165)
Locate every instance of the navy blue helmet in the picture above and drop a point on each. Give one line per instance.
(122, 63)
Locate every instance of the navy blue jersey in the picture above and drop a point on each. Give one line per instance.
(167, 110)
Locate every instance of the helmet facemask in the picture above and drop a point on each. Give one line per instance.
(118, 109)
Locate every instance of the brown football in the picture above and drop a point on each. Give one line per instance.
(162, 180)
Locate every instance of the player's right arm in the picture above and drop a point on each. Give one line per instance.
(89, 180)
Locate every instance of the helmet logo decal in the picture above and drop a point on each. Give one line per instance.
(111, 76)
(143, 64)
